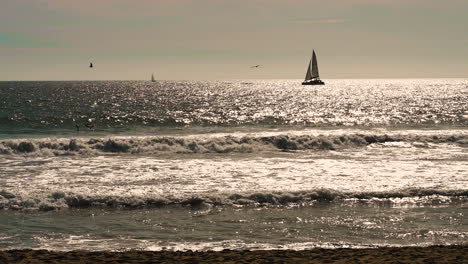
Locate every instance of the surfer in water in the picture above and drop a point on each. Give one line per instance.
(89, 126)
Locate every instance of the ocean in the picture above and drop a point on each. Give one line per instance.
(238, 164)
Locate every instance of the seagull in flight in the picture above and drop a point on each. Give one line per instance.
(256, 66)
(91, 65)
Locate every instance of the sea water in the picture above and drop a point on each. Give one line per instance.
(240, 164)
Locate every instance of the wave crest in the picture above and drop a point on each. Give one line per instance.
(201, 144)
(60, 200)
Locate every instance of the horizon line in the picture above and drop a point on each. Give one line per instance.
(233, 79)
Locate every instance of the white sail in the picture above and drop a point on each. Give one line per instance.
(315, 72)
(312, 74)
(308, 75)
(312, 70)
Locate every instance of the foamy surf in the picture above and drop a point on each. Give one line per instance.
(221, 143)
(230, 165)
(68, 200)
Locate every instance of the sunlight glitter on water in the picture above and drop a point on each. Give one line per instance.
(273, 102)
(210, 165)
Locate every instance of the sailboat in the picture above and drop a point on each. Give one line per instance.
(312, 74)
(152, 78)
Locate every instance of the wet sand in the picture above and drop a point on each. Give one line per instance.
(433, 254)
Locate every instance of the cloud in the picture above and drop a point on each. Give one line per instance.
(321, 21)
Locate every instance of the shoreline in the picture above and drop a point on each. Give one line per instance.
(433, 254)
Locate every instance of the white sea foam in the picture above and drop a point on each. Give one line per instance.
(434, 173)
(402, 198)
(238, 142)
(214, 165)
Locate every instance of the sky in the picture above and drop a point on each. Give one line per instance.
(222, 39)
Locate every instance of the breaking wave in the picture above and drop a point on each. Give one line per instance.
(62, 200)
(207, 144)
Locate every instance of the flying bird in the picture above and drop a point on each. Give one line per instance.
(91, 65)
(256, 66)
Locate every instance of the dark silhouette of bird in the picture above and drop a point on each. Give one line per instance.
(256, 66)
(91, 65)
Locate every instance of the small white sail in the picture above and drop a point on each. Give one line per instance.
(315, 72)
(312, 70)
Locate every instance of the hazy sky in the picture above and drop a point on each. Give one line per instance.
(221, 39)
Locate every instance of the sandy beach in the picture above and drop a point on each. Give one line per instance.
(433, 254)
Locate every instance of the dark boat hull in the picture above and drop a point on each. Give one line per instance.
(313, 82)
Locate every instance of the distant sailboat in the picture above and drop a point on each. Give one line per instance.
(312, 74)
(152, 78)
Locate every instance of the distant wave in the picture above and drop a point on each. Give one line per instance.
(206, 144)
(61, 200)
